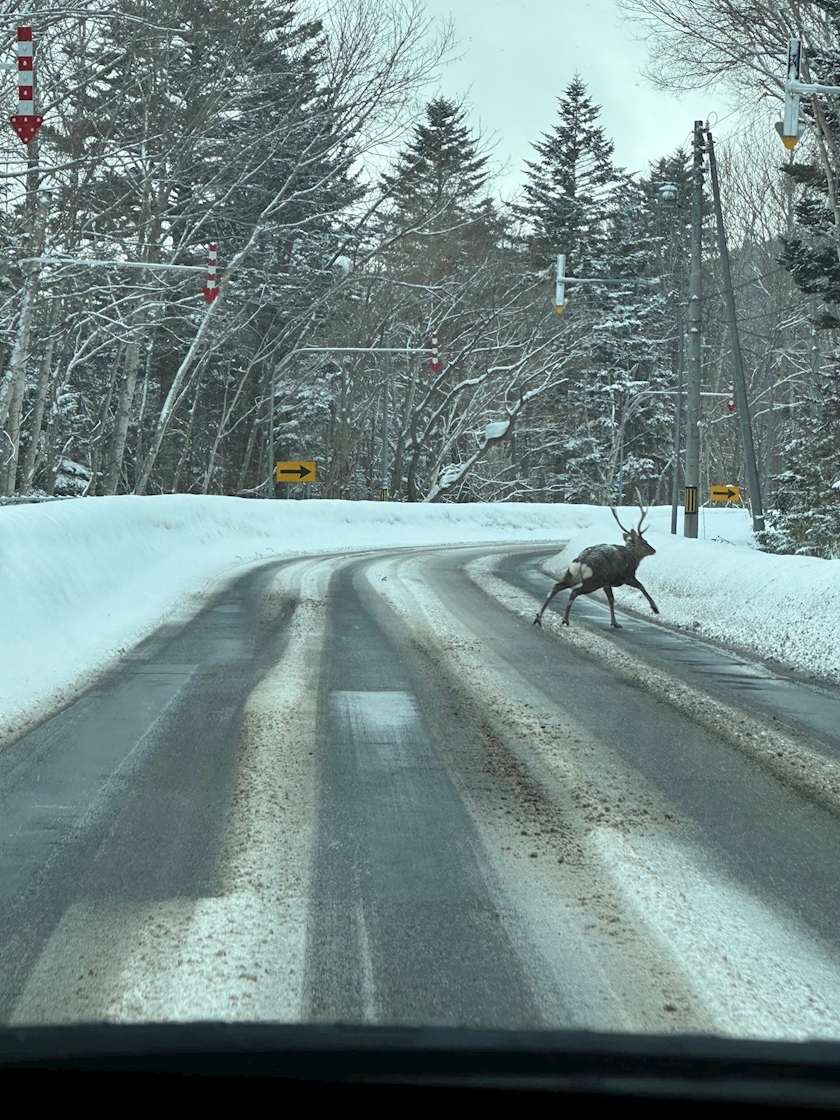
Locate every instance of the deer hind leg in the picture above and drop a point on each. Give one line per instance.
(577, 591)
(633, 582)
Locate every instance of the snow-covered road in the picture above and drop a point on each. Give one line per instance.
(369, 789)
(83, 581)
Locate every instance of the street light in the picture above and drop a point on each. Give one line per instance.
(668, 193)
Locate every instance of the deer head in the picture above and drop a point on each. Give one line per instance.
(633, 537)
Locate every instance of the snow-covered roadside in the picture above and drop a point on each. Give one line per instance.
(81, 581)
(782, 608)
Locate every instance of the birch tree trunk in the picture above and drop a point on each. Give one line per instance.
(14, 380)
(125, 399)
(30, 461)
(168, 408)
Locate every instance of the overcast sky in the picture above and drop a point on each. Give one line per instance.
(519, 55)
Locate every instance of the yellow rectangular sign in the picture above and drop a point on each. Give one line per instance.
(295, 471)
(725, 493)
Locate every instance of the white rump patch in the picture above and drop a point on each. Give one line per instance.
(579, 572)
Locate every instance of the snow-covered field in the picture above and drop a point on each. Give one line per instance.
(83, 580)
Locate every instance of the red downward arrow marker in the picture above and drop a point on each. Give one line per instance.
(25, 126)
(25, 121)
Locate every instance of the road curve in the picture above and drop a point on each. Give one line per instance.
(365, 788)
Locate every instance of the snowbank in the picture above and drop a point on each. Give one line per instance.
(84, 579)
(783, 608)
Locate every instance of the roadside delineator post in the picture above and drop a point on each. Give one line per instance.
(25, 121)
(211, 288)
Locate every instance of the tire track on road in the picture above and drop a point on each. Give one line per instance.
(534, 690)
(238, 954)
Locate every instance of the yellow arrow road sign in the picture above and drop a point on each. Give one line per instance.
(725, 493)
(295, 471)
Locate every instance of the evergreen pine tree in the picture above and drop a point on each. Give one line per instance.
(618, 424)
(810, 252)
(569, 187)
(613, 423)
(438, 187)
(440, 172)
(806, 517)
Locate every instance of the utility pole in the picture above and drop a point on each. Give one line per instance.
(692, 420)
(735, 343)
(386, 394)
(675, 473)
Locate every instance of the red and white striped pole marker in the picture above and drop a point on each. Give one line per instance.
(434, 364)
(211, 289)
(25, 121)
(730, 404)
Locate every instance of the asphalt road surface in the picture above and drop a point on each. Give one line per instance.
(366, 788)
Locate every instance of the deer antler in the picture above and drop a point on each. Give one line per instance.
(641, 508)
(615, 515)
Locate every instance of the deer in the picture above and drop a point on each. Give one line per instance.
(605, 566)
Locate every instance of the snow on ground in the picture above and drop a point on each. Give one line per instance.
(83, 580)
(782, 608)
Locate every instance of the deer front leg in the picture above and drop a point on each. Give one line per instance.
(557, 587)
(608, 591)
(633, 582)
